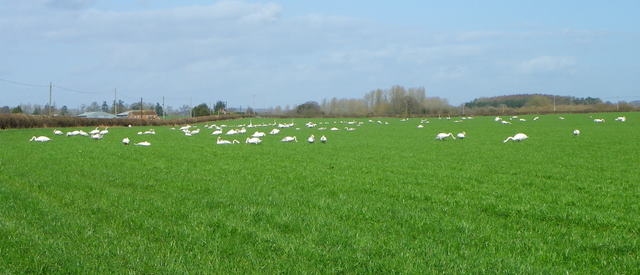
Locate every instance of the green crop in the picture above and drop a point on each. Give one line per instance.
(380, 199)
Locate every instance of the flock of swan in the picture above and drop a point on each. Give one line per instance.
(257, 136)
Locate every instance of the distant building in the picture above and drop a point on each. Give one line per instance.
(96, 115)
(146, 114)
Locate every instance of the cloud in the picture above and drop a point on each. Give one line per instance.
(68, 4)
(547, 64)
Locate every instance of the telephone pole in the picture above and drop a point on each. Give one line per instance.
(115, 101)
(163, 110)
(554, 103)
(50, 89)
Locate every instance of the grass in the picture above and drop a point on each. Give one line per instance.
(381, 199)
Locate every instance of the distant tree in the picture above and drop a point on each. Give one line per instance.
(17, 110)
(93, 107)
(64, 110)
(159, 110)
(220, 106)
(201, 110)
(37, 110)
(184, 110)
(249, 111)
(5, 110)
(309, 108)
(105, 107)
(121, 106)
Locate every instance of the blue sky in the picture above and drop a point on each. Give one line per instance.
(267, 53)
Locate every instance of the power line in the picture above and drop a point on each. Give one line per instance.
(23, 83)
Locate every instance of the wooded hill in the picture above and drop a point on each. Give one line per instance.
(530, 100)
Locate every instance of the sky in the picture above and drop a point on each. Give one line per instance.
(268, 53)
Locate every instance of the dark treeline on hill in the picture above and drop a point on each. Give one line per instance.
(530, 100)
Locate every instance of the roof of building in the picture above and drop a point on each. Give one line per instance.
(97, 115)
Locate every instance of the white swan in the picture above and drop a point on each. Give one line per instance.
(217, 132)
(420, 126)
(40, 139)
(144, 143)
(323, 139)
(96, 136)
(105, 131)
(621, 118)
(311, 139)
(223, 141)
(95, 131)
(125, 141)
(253, 140)
(517, 137)
(598, 120)
(289, 139)
(442, 136)
(258, 134)
(57, 132)
(576, 132)
(274, 132)
(461, 135)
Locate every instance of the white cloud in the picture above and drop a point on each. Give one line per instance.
(547, 64)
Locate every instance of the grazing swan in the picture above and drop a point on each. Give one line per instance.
(274, 132)
(223, 141)
(461, 135)
(576, 132)
(420, 126)
(95, 131)
(40, 139)
(253, 140)
(289, 139)
(517, 137)
(536, 118)
(73, 133)
(258, 134)
(217, 132)
(96, 136)
(232, 132)
(105, 131)
(505, 122)
(125, 141)
(144, 143)
(334, 129)
(57, 132)
(621, 118)
(598, 120)
(311, 139)
(323, 139)
(442, 136)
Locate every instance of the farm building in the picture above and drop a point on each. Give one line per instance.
(96, 115)
(146, 114)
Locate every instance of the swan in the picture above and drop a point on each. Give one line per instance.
(598, 120)
(96, 136)
(334, 129)
(517, 137)
(561, 118)
(95, 131)
(217, 132)
(253, 140)
(461, 135)
(40, 139)
(323, 139)
(497, 119)
(505, 122)
(621, 118)
(223, 141)
(57, 132)
(274, 132)
(420, 126)
(125, 141)
(258, 134)
(536, 118)
(442, 136)
(232, 132)
(195, 132)
(289, 139)
(105, 131)
(73, 133)
(144, 143)
(83, 133)
(311, 139)
(576, 132)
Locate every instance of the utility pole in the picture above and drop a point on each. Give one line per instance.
(163, 110)
(50, 89)
(115, 101)
(554, 103)
(191, 106)
(141, 108)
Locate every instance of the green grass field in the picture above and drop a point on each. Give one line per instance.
(381, 199)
